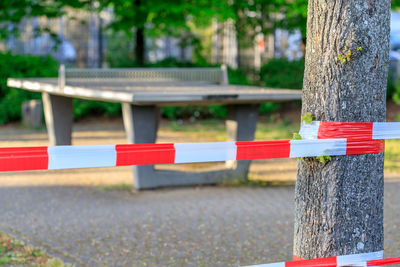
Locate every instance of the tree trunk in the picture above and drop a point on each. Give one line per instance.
(139, 48)
(240, 34)
(339, 204)
(140, 39)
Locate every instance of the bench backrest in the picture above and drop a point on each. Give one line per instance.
(147, 75)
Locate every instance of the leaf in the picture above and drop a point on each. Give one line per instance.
(323, 159)
(307, 119)
(297, 136)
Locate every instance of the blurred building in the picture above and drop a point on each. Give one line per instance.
(225, 50)
(74, 39)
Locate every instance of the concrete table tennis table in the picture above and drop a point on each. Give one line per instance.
(142, 92)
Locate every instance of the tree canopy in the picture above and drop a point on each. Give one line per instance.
(14, 11)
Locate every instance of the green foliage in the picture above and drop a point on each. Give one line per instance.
(307, 119)
(117, 187)
(15, 10)
(297, 136)
(119, 52)
(349, 53)
(295, 15)
(269, 107)
(237, 77)
(162, 16)
(391, 85)
(395, 4)
(17, 66)
(282, 73)
(394, 89)
(396, 96)
(171, 62)
(22, 66)
(16, 253)
(323, 159)
(83, 108)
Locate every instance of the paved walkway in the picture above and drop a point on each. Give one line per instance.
(210, 226)
(206, 226)
(192, 226)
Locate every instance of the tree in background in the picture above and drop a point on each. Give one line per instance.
(295, 17)
(140, 19)
(261, 16)
(339, 203)
(154, 18)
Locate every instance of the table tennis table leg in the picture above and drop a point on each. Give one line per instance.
(241, 123)
(141, 125)
(58, 113)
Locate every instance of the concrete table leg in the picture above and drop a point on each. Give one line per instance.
(141, 124)
(58, 113)
(241, 123)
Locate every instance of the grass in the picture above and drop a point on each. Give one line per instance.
(392, 156)
(17, 253)
(117, 187)
(267, 129)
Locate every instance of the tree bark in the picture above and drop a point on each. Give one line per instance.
(140, 39)
(139, 48)
(339, 204)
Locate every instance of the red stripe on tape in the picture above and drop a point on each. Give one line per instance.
(145, 154)
(326, 262)
(23, 158)
(389, 261)
(331, 129)
(357, 146)
(262, 150)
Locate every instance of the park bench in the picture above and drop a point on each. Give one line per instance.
(142, 91)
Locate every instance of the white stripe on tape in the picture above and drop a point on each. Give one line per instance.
(68, 157)
(320, 147)
(358, 258)
(310, 130)
(203, 152)
(386, 130)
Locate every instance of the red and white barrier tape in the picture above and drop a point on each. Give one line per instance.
(319, 139)
(69, 157)
(353, 130)
(364, 259)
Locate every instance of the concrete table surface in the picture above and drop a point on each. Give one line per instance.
(156, 93)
